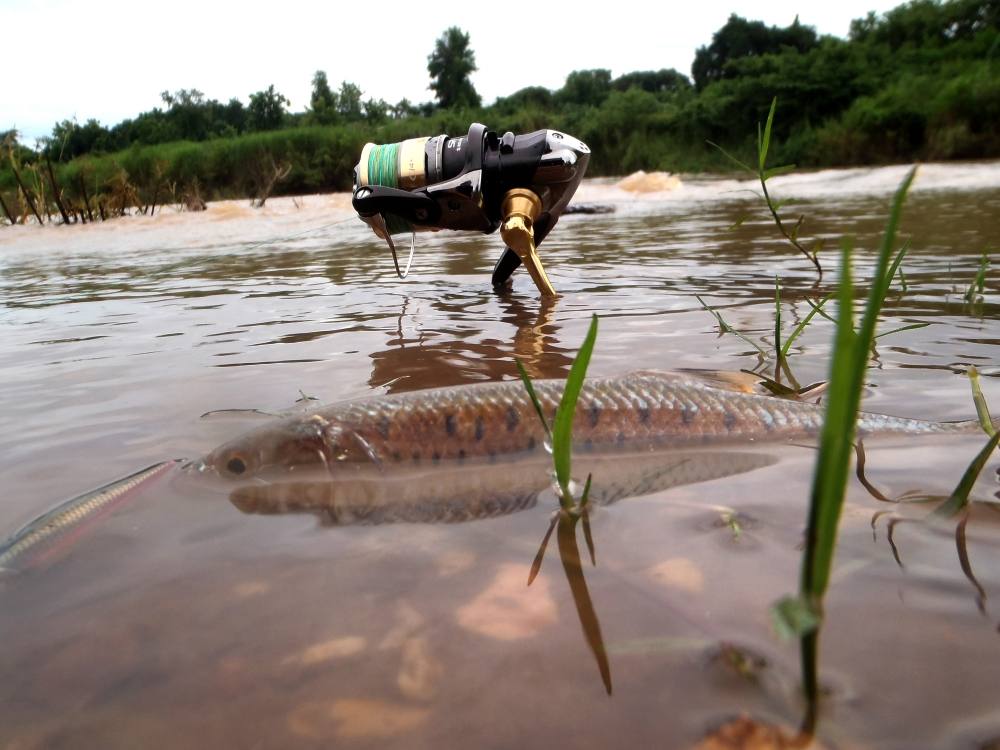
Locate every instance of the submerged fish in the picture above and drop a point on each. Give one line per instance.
(474, 492)
(49, 534)
(635, 412)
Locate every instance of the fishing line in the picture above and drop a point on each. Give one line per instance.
(284, 238)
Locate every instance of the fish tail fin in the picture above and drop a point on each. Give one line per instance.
(970, 425)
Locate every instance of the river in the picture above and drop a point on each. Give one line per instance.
(179, 621)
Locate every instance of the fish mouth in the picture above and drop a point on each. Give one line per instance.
(195, 466)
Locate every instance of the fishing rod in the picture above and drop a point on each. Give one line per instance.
(480, 182)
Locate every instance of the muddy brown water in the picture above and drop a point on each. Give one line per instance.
(180, 621)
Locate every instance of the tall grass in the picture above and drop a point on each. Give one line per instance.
(763, 173)
(803, 614)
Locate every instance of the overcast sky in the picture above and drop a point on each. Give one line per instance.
(110, 59)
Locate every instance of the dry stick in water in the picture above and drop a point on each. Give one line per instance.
(56, 191)
(6, 210)
(24, 191)
(152, 205)
(86, 198)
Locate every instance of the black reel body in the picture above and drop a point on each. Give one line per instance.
(465, 183)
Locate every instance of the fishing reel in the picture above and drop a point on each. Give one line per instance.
(477, 182)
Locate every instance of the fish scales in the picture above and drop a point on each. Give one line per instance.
(487, 420)
(66, 519)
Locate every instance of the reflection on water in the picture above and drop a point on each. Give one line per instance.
(176, 616)
(416, 358)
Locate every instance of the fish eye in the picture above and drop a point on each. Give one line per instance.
(236, 465)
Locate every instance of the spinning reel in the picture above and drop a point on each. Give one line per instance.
(477, 182)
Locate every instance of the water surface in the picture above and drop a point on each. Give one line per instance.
(179, 620)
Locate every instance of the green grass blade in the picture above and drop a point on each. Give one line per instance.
(588, 537)
(982, 410)
(847, 376)
(731, 158)
(530, 388)
(777, 318)
(802, 325)
(773, 386)
(586, 491)
(979, 282)
(726, 328)
(562, 428)
(765, 143)
(778, 171)
(897, 262)
(818, 309)
(960, 497)
(794, 617)
(882, 280)
(910, 327)
(830, 478)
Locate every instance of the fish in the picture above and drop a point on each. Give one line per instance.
(476, 492)
(44, 538)
(637, 411)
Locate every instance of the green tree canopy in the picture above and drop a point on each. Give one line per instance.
(653, 81)
(323, 102)
(450, 65)
(266, 110)
(586, 87)
(741, 38)
(349, 101)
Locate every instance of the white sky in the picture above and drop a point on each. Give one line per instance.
(110, 59)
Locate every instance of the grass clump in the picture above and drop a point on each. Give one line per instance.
(560, 434)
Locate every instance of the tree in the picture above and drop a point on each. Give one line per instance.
(742, 38)
(349, 101)
(323, 102)
(376, 110)
(188, 114)
(183, 98)
(588, 88)
(537, 97)
(266, 110)
(450, 65)
(69, 139)
(653, 81)
(404, 108)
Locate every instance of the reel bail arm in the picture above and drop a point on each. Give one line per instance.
(520, 209)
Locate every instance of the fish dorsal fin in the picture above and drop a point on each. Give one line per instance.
(725, 380)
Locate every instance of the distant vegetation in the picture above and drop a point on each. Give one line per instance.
(920, 82)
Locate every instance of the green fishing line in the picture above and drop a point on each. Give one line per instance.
(383, 169)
